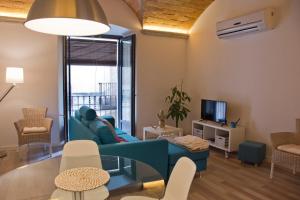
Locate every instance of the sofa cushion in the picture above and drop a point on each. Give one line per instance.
(110, 119)
(175, 152)
(85, 122)
(120, 132)
(102, 131)
(87, 113)
(77, 115)
(128, 138)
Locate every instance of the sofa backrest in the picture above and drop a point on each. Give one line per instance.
(151, 152)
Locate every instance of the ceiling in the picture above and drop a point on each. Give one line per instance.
(175, 16)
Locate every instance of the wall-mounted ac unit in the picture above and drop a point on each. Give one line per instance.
(255, 22)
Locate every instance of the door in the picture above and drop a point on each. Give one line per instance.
(127, 86)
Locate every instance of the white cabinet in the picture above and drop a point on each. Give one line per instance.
(221, 137)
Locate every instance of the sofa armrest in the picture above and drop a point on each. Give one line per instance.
(19, 125)
(151, 152)
(78, 131)
(47, 122)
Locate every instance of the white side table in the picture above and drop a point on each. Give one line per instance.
(160, 132)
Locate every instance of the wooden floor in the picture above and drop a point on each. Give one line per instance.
(34, 153)
(228, 179)
(224, 179)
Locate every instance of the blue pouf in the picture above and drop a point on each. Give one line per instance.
(252, 152)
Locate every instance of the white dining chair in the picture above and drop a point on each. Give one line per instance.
(179, 183)
(80, 153)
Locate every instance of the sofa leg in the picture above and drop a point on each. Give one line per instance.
(272, 170)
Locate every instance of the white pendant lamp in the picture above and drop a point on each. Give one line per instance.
(67, 17)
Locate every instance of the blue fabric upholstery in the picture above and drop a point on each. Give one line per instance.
(252, 152)
(159, 154)
(85, 122)
(120, 132)
(102, 131)
(128, 138)
(77, 115)
(176, 152)
(87, 113)
(77, 131)
(110, 119)
(151, 152)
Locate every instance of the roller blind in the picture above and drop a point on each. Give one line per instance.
(93, 52)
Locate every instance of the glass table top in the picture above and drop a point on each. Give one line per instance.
(36, 181)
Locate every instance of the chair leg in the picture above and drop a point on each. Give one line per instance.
(294, 169)
(50, 150)
(272, 170)
(28, 148)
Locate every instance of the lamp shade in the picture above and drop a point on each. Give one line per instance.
(14, 75)
(67, 17)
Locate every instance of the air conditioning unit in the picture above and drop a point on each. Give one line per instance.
(255, 22)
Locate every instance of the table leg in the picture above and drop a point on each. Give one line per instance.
(78, 195)
(144, 134)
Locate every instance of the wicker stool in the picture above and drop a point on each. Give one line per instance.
(252, 152)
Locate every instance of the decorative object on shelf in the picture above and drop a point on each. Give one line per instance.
(178, 101)
(158, 132)
(14, 75)
(234, 124)
(162, 119)
(67, 17)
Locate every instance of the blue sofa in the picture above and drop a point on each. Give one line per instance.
(160, 154)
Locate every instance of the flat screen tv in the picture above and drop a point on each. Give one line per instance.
(213, 110)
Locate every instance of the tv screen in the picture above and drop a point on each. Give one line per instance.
(213, 110)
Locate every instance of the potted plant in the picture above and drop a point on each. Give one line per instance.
(178, 101)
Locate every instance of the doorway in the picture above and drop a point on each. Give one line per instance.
(100, 73)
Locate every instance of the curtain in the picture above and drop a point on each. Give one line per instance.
(93, 52)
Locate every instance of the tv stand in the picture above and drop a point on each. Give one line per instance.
(219, 136)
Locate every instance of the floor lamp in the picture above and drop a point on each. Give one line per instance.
(14, 75)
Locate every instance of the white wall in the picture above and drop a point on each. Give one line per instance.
(257, 74)
(37, 54)
(160, 63)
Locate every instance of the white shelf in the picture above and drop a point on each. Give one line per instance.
(210, 130)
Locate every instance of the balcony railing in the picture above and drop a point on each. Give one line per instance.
(103, 102)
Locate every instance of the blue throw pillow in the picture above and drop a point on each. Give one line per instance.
(103, 132)
(87, 113)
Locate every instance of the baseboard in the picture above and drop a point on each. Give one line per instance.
(8, 148)
(14, 147)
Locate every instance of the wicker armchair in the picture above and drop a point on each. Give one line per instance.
(35, 127)
(285, 151)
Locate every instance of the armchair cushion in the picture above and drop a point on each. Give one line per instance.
(290, 148)
(28, 130)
